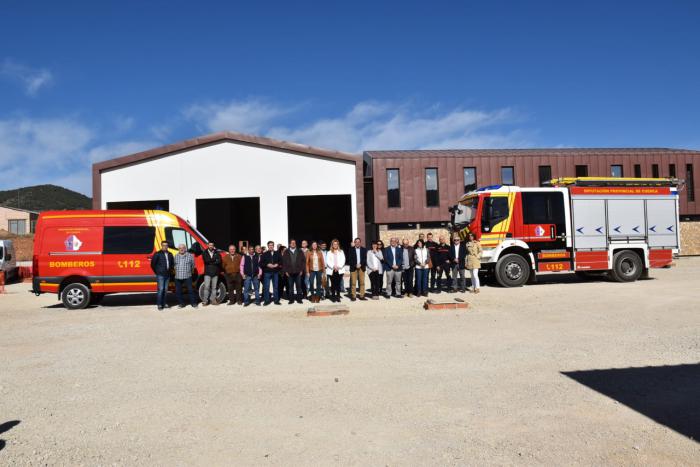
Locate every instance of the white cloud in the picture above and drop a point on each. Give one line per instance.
(31, 79)
(368, 125)
(247, 116)
(56, 151)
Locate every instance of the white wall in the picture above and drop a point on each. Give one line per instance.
(231, 170)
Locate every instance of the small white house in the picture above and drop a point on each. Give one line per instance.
(235, 187)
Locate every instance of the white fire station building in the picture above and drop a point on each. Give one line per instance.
(235, 187)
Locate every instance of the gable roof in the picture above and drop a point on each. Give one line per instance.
(221, 137)
(18, 209)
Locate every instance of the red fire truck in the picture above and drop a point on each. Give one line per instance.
(622, 226)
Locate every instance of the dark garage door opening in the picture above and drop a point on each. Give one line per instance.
(226, 221)
(158, 205)
(321, 217)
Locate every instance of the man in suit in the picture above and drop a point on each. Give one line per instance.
(357, 260)
(393, 261)
(458, 256)
(162, 264)
(294, 267)
(271, 264)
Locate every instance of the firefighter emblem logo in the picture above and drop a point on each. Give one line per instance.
(73, 243)
(539, 231)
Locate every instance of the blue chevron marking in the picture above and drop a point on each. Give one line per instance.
(617, 229)
(599, 230)
(580, 230)
(669, 228)
(636, 229)
(653, 228)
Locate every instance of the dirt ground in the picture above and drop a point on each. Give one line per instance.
(558, 373)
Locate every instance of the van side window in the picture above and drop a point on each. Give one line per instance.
(175, 236)
(128, 240)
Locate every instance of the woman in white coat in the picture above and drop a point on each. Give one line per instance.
(335, 268)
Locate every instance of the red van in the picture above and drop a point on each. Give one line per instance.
(84, 255)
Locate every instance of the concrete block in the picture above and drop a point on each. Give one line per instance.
(431, 304)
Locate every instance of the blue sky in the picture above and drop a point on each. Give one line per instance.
(87, 81)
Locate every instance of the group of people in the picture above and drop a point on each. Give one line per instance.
(316, 272)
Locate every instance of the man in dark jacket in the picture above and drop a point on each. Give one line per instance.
(162, 264)
(357, 260)
(458, 256)
(212, 268)
(294, 267)
(432, 245)
(270, 263)
(442, 254)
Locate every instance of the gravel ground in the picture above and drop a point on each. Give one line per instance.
(509, 381)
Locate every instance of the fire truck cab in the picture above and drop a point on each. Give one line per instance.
(622, 226)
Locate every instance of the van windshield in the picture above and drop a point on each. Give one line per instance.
(2, 252)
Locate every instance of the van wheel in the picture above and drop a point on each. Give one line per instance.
(220, 292)
(627, 267)
(75, 296)
(512, 270)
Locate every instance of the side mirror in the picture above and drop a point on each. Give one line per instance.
(196, 249)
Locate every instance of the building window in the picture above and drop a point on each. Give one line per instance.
(469, 179)
(672, 170)
(507, 175)
(545, 172)
(654, 170)
(582, 171)
(17, 226)
(689, 182)
(128, 240)
(616, 171)
(393, 190)
(432, 194)
(637, 171)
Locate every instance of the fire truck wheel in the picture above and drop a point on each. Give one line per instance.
(512, 270)
(75, 296)
(627, 267)
(220, 292)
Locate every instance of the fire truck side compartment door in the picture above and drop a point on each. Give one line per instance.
(589, 224)
(662, 223)
(626, 218)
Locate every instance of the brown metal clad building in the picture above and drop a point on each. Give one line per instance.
(410, 205)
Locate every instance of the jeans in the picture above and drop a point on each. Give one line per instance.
(433, 278)
(274, 278)
(162, 290)
(294, 286)
(357, 276)
(187, 283)
(422, 281)
(375, 280)
(254, 282)
(457, 269)
(475, 278)
(210, 289)
(393, 282)
(316, 282)
(336, 280)
(407, 279)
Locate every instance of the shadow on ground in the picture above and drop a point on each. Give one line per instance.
(6, 427)
(669, 395)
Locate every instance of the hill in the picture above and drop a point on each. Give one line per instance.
(44, 198)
